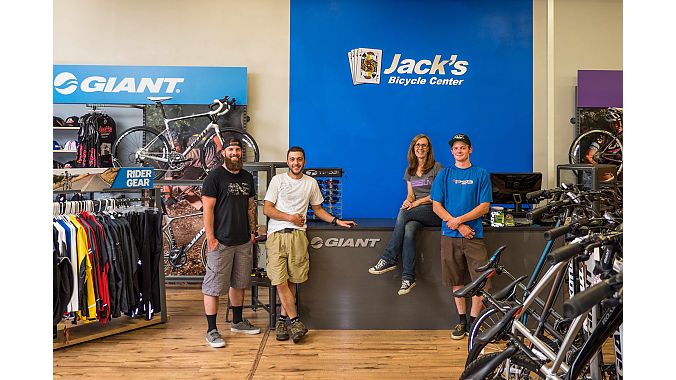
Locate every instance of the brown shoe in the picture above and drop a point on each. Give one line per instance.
(281, 331)
(298, 331)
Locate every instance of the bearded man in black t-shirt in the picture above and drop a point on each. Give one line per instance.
(229, 222)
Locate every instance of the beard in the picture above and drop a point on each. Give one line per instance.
(233, 165)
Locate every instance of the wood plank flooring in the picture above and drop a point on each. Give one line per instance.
(177, 350)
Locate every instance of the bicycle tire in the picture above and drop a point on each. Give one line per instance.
(211, 158)
(581, 143)
(132, 141)
(531, 370)
(203, 253)
(488, 318)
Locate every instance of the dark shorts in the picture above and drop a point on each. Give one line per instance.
(228, 267)
(460, 255)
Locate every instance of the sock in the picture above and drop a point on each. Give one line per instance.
(283, 318)
(292, 320)
(471, 320)
(463, 319)
(211, 320)
(237, 314)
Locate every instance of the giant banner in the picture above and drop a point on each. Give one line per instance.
(367, 76)
(82, 84)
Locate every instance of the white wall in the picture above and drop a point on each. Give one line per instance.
(586, 34)
(252, 33)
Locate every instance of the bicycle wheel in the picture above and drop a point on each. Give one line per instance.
(486, 319)
(211, 157)
(142, 147)
(608, 149)
(521, 368)
(203, 253)
(173, 259)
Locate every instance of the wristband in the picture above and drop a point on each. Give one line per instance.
(334, 221)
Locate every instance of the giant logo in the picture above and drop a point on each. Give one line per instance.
(318, 242)
(66, 83)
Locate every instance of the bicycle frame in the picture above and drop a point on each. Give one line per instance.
(191, 146)
(170, 232)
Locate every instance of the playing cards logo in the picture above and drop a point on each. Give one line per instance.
(444, 70)
(365, 65)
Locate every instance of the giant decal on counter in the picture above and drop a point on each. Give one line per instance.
(367, 76)
(81, 84)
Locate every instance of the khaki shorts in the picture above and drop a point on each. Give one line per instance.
(460, 255)
(288, 258)
(228, 267)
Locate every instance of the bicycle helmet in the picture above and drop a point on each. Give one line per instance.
(613, 115)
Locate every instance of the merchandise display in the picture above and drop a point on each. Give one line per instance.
(329, 183)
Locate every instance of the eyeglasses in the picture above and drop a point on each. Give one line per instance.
(421, 146)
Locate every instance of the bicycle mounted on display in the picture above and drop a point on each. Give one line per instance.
(147, 147)
(599, 146)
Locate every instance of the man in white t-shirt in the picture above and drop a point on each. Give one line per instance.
(286, 203)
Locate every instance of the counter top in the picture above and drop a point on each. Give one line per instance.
(366, 224)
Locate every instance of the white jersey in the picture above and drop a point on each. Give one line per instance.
(292, 196)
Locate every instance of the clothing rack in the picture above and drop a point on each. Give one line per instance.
(69, 334)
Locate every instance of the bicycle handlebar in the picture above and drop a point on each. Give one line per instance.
(218, 104)
(585, 300)
(564, 253)
(560, 231)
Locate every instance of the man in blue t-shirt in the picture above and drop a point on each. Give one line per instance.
(461, 195)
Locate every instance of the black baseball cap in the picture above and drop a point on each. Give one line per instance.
(232, 141)
(460, 137)
(72, 121)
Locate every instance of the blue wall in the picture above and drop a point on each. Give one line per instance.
(366, 129)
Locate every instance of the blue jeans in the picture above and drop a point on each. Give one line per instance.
(403, 236)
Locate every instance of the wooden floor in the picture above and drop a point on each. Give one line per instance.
(177, 350)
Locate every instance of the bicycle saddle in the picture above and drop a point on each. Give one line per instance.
(493, 261)
(508, 291)
(159, 99)
(473, 287)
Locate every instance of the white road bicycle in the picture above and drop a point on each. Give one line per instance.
(148, 147)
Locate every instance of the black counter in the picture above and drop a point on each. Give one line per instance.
(341, 294)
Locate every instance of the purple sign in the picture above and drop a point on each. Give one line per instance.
(599, 88)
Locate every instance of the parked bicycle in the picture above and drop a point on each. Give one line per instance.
(562, 348)
(147, 147)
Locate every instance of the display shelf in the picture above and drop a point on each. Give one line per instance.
(84, 332)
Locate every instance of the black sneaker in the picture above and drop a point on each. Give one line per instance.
(281, 331)
(382, 267)
(406, 286)
(459, 331)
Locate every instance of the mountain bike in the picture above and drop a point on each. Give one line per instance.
(176, 257)
(148, 147)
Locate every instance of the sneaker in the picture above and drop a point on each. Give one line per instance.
(459, 331)
(298, 331)
(281, 331)
(406, 286)
(214, 339)
(382, 267)
(244, 326)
